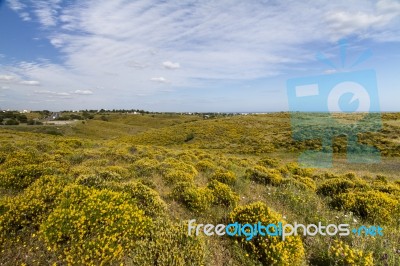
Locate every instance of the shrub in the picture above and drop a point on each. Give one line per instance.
(205, 165)
(146, 198)
(30, 207)
(269, 162)
(93, 226)
(270, 250)
(223, 194)
(144, 167)
(342, 254)
(335, 186)
(11, 122)
(169, 245)
(301, 182)
(295, 169)
(264, 175)
(374, 206)
(174, 176)
(194, 198)
(177, 171)
(20, 177)
(224, 176)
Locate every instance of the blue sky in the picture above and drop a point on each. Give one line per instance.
(223, 56)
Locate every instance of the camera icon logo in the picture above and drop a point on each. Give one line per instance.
(333, 105)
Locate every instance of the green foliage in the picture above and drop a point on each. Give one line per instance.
(269, 250)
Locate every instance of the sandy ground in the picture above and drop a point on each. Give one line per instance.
(60, 122)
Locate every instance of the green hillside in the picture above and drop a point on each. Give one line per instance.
(120, 189)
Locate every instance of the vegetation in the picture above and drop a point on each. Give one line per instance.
(120, 188)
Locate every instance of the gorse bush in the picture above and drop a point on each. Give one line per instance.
(175, 176)
(373, 206)
(205, 165)
(20, 177)
(335, 186)
(223, 194)
(300, 182)
(194, 198)
(169, 244)
(343, 255)
(269, 162)
(270, 250)
(144, 197)
(224, 176)
(30, 207)
(175, 171)
(92, 226)
(144, 167)
(264, 175)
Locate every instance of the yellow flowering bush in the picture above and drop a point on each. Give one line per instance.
(374, 206)
(269, 162)
(205, 165)
(144, 167)
(300, 182)
(264, 175)
(194, 198)
(343, 255)
(223, 194)
(20, 177)
(270, 250)
(335, 186)
(174, 176)
(295, 168)
(145, 198)
(175, 171)
(224, 176)
(169, 244)
(93, 226)
(31, 206)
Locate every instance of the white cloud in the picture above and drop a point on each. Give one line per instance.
(160, 80)
(83, 92)
(6, 78)
(56, 42)
(170, 65)
(15, 5)
(120, 44)
(30, 82)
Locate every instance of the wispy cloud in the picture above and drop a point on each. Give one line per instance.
(141, 42)
(170, 65)
(160, 80)
(6, 78)
(83, 92)
(30, 82)
(53, 93)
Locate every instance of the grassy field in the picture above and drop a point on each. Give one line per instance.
(120, 189)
